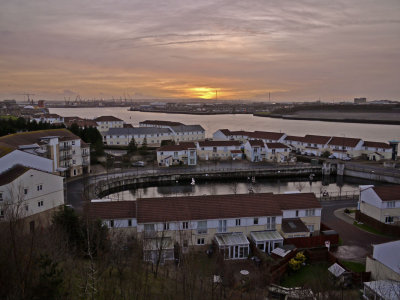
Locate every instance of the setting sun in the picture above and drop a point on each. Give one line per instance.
(202, 92)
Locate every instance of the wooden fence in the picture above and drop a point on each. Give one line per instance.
(393, 230)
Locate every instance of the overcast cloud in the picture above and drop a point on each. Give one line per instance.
(297, 50)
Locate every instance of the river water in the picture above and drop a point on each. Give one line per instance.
(331, 185)
(212, 123)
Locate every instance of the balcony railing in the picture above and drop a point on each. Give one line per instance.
(65, 147)
(65, 157)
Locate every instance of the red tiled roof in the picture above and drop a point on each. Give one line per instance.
(297, 201)
(180, 147)
(226, 132)
(316, 139)
(107, 119)
(276, 145)
(111, 209)
(219, 143)
(206, 207)
(294, 138)
(128, 126)
(344, 141)
(256, 143)
(376, 145)
(265, 135)
(388, 193)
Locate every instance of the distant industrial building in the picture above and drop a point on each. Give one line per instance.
(360, 100)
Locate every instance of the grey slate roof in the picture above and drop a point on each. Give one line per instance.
(187, 128)
(137, 131)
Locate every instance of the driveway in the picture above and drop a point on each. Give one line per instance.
(357, 243)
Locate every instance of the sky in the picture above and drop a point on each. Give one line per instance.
(299, 50)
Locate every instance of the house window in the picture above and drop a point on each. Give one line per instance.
(1, 196)
(73, 142)
(255, 221)
(149, 227)
(40, 203)
(297, 213)
(39, 187)
(129, 223)
(200, 241)
(166, 226)
(185, 225)
(1, 213)
(273, 151)
(175, 154)
(202, 227)
(222, 225)
(389, 220)
(25, 191)
(390, 204)
(310, 228)
(214, 149)
(26, 207)
(111, 223)
(310, 212)
(237, 222)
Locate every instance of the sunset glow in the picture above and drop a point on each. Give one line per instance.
(203, 93)
(295, 50)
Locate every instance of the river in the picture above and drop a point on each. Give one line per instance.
(212, 123)
(331, 185)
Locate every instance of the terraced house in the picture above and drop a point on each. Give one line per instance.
(228, 220)
(182, 154)
(104, 123)
(69, 155)
(218, 150)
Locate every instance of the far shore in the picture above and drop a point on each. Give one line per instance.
(328, 118)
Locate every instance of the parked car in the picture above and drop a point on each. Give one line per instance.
(332, 156)
(138, 163)
(346, 158)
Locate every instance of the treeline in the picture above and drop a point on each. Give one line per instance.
(14, 125)
(91, 136)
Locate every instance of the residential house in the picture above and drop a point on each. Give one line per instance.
(254, 150)
(70, 156)
(182, 154)
(294, 142)
(25, 192)
(159, 124)
(218, 150)
(277, 152)
(104, 123)
(152, 135)
(188, 133)
(229, 220)
(376, 150)
(343, 147)
(381, 203)
(315, 144)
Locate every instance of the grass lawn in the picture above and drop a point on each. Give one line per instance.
(306, 274)
(9, 117)
(353, 266)
(369, 229)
